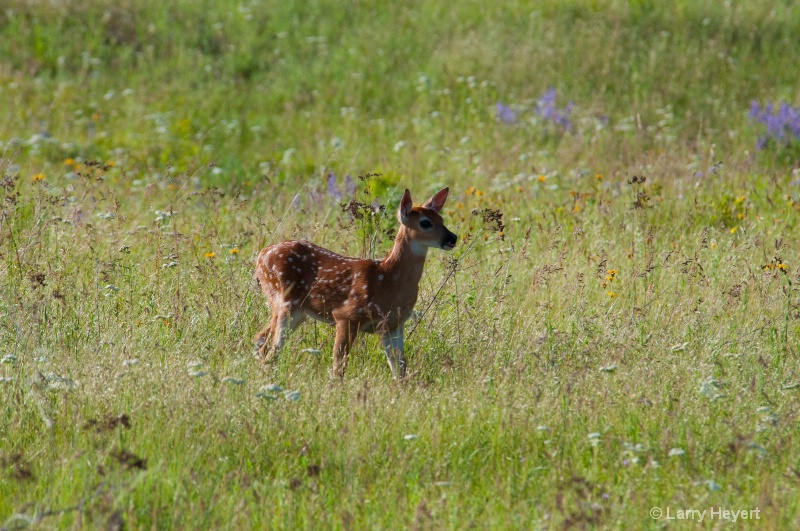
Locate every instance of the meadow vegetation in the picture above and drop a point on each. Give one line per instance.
(617, 329)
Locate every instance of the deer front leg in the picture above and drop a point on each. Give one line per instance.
(395, 353)
(346, 333)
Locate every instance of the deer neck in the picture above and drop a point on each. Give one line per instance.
(406, 260)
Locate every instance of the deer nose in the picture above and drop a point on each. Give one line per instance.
(449, 241)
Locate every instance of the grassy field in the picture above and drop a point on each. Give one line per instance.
(615, 334)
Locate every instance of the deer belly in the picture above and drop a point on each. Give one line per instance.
(319, 316)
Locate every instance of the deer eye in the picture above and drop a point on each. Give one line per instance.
(426, 224)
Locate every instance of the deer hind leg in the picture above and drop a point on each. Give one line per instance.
(262, 338)
(265, 339)
(346, 333)
(272, 338)
(395, 352)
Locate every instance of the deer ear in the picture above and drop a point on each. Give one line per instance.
(436, 202)
(405, 206)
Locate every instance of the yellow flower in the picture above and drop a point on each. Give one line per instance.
(741, 199)
(234, 251)
(541, 178)
(110, 163)
(734, 229)
(612, 294)
(471, 190)
(478, 193)
(598, 177)
(713, 245)
(781, 266)
(69, 162)
(37, 177)
(740, 215)
(210, 255)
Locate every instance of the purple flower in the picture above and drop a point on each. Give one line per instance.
(782, 124)
(350, 186)
(333, 188)
(547, 110)
(506, 114)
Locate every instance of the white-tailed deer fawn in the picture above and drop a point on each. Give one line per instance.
(302, 280)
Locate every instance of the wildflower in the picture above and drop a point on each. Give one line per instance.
(541, 178)
(350, 186)
(734, 229)
(110, 163)
(598, 176)
(210, 255)
(546, 108)
(611, 294)
(783, 123)
(69, 162)
(741, 215)
(740, 199)
(234, 251)
(505, 113)
(333, 188)
(781, 266)
(37, 177)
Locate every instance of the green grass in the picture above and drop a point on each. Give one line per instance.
(545, 390)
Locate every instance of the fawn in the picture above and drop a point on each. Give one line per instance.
(302, 280)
